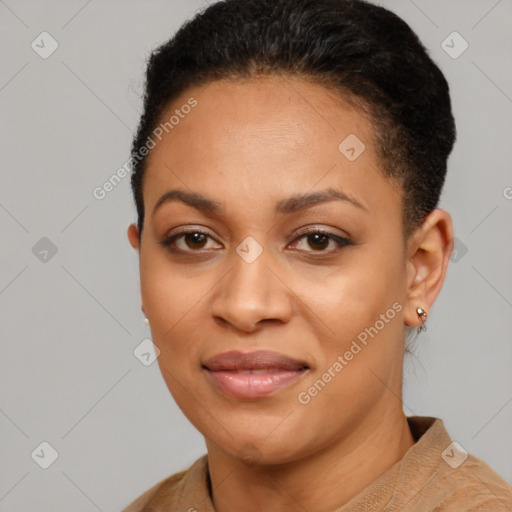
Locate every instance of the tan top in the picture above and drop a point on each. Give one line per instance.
(435, 475)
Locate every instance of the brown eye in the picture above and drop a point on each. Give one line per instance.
(187, 241)
(319, 240)
(195, 240)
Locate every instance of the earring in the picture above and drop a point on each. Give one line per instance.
(146, 321)
(422, 315)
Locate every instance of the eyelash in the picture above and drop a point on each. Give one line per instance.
(341, 241)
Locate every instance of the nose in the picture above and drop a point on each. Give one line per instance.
(252, 294)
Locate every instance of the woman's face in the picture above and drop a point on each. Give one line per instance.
(274, 159)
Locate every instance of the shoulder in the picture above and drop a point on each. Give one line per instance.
(439, 475)
(474, 487)
(170, 484)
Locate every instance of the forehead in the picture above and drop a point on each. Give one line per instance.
(292, 114)
(265, 138)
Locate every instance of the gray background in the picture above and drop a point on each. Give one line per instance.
(70, 321)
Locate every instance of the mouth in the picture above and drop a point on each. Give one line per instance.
(251, 375)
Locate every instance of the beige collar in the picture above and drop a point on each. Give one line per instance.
(396, 488)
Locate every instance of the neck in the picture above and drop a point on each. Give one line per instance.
(324, 481)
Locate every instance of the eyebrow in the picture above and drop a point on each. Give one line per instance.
(292, 204)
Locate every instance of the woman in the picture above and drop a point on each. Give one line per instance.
(287, 171)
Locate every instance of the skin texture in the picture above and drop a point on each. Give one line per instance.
(249, 144)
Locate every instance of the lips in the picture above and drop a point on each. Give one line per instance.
(257, 360)
(250, 375)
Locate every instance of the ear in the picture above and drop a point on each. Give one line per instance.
(133, 236)
(134, 239)
(429, 250)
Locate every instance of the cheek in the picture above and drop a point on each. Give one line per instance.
(166, 293)
(361, 306)
(353, 296)
(362, 309)
(169, 301)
